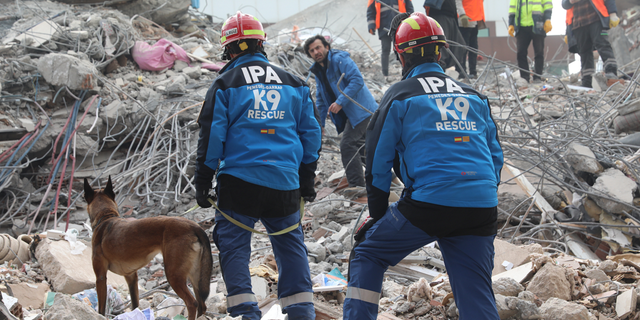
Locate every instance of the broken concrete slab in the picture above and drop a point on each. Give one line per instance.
(30, 295)
(67, 272)
(581, 158)
(558, 309)
(66, 307)
(64, 70)
(617, 185)
(505, 251)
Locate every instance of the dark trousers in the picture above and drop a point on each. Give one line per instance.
(450, 27)
(470, 36)
(386, 49)
(352, 152)
(524, 37)
(589, 37)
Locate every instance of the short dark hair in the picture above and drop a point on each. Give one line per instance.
(311, 40)
(251, 46)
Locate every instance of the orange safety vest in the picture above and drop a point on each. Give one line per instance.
(474, 9)
(401, 7)
(599, 4)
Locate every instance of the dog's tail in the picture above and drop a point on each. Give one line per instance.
(206, 267)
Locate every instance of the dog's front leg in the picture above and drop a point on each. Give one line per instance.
(100, 268)
(132, 281)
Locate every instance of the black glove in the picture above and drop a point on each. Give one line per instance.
(307, 176)
(202, 196)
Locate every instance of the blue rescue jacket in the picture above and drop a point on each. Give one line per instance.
(446, 144)
(258, 123)
(352, 85)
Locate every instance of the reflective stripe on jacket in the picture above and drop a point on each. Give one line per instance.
(379, 16)
(530, 13)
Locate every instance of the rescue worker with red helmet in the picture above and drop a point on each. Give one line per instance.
(259, 130)
(439, 137)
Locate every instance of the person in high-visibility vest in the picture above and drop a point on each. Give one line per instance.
(589, 22)
(470, 12)
(530, 21)
(379, 16)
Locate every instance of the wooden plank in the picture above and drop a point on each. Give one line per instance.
(415, 271)
(424, 259)
(519, 274)
(626, 303)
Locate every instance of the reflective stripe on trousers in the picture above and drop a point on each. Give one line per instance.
(233, 301)
(363, 295)
(296, 298)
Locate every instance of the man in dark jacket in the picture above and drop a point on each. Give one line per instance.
(351, 111)
(589, 21)
(379, 15)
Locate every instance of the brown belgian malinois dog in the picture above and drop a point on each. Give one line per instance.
(126, 245)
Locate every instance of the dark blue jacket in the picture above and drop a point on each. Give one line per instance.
(439, 136)
(352, 85)
(258, 121)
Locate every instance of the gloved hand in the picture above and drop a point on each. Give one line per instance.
(372, 31)
(613, 20)
(512, 31)
(308, 193)
(464, 21)
(547, 26)
(566, 40)
(202, 196)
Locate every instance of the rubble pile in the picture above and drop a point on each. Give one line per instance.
(81, 98)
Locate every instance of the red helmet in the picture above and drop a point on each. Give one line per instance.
(418, 30)
(241, 26)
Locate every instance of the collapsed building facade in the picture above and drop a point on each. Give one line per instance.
(81, 98)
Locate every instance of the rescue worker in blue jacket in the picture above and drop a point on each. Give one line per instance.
(439, 137)
(260, 131)
(348, 116)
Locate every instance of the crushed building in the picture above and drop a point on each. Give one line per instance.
(77, 101)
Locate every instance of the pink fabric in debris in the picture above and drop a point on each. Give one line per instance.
(213, 66)
(159, 56)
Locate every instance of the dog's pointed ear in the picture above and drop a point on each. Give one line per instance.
(88, 191)
(108, 190)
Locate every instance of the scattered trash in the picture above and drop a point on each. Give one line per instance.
(158, 56)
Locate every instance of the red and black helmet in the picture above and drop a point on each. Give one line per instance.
(418, 30)
(241, 26)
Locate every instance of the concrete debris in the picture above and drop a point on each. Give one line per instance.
(74, 105)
